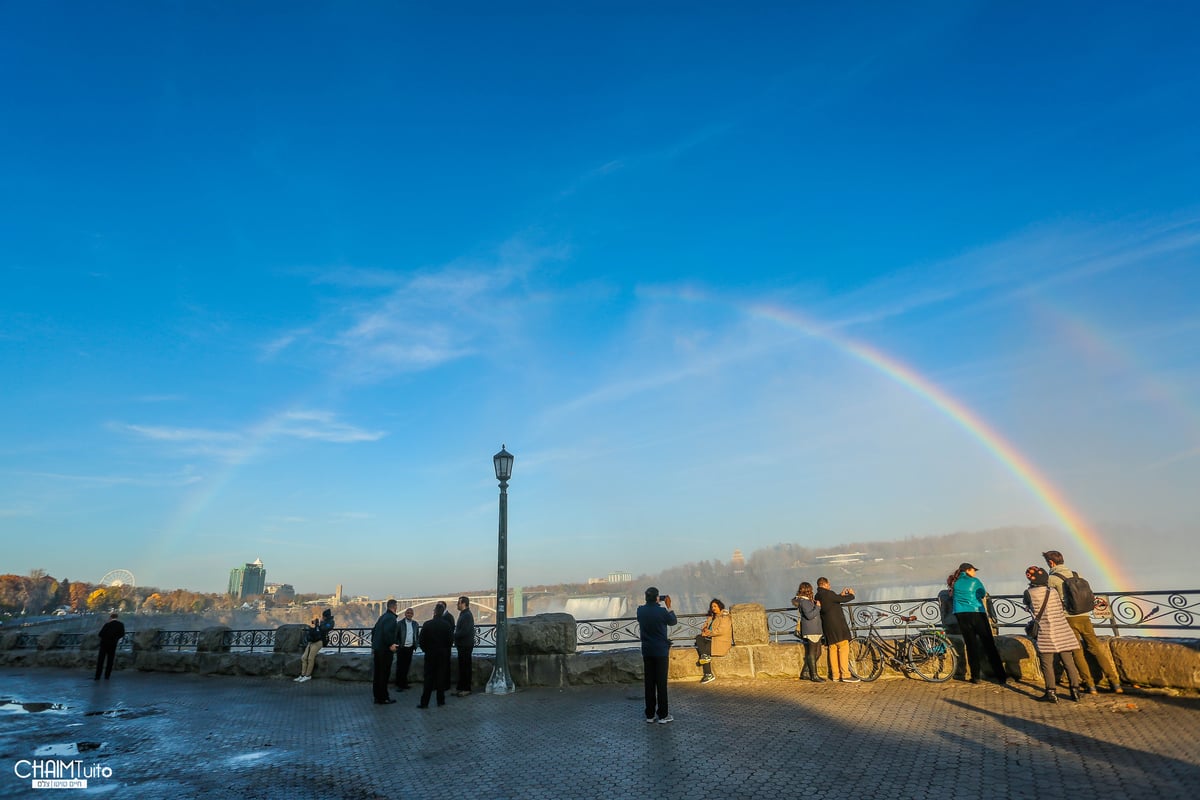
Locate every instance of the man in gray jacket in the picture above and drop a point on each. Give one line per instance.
(1082, 625)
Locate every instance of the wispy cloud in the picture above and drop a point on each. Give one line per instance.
(323, 426)
(169, 434)
(183, 479)
(394, 322)
(238, 444)
(282, 342)
(1029, 262)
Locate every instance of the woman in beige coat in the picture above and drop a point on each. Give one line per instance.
(1054, 635)
(715, 639)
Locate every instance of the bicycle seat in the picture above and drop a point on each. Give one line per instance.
(908, 619)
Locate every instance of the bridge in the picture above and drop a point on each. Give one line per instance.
(423, 606)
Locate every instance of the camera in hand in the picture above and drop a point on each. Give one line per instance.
(665, 597)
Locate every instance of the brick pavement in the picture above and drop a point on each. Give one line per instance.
(182, 736)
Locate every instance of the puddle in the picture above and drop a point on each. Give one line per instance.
(13, 707)
(68, 749)
(124, 713)
(247, 758)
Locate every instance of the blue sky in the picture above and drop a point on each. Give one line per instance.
(277, 281)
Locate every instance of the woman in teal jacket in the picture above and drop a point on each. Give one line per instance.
(969, 610)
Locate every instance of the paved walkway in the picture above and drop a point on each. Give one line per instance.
(185, 736)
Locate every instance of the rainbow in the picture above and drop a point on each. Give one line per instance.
(182, 522)
(1021, 467)
(1093, 344)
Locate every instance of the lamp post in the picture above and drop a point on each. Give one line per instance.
(501, 680)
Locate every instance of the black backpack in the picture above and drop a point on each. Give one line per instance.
(1077, 595)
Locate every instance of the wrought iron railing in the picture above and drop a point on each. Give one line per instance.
(177, 640)
(249, 641)
(625, 632)
(349, 639)
(1118, 614)
(360, 638)
(1154, 613)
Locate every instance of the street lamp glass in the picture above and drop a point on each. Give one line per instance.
(503, 461)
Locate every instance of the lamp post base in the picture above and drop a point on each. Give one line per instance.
(500, 682)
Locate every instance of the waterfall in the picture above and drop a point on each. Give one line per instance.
(597, 607)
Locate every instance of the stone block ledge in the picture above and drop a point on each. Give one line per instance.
(1157, 663)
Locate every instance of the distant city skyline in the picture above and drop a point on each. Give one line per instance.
(278, 286)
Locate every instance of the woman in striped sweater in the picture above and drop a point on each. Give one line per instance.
(1054, 635)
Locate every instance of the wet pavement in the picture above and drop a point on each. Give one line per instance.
(159, 735)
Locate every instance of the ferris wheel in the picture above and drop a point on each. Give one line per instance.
(118, 577)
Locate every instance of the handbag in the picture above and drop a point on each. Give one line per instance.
(1032, 627)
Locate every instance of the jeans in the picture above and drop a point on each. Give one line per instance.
(309, 659)
(655, 670)
(839, 660)
(1067, 661)
(1082, 625)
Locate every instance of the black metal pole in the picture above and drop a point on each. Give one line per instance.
(501, 681)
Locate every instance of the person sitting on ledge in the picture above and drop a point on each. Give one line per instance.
(715, 639)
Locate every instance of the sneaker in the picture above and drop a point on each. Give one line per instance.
(304, 678)
(665, 720)
(851, 680)
(297, 679)
(704, 661)
(708, 679)
(652, 719)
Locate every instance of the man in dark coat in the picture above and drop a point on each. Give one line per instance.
(653, 623)
(837, 632)
(112, 633)
(437, 636)
(464, 642)
(407, 631)
(383, 644)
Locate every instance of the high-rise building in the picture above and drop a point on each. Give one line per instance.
(248, 580)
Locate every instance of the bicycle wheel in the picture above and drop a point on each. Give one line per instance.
(932, 657)
(866, 663)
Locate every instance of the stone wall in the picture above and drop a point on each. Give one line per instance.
(543, 652)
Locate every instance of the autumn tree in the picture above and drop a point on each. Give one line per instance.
(98, 600)
(78, 595)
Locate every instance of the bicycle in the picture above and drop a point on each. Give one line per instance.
(929, 654)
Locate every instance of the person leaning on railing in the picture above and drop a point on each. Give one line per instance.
(808, 628)
(1081, 623)
(1051, 634)
(976, 626)
(837, 632)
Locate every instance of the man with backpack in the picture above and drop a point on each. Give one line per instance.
(1078, 602)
